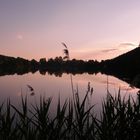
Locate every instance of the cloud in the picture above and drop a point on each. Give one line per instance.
(109, 50)
(127, 44)
(122, 46)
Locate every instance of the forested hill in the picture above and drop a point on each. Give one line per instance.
(133, 55)
(125, 67)
(8, 61)
(12, 65)
(127, 62)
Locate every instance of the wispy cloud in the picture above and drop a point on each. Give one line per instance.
(128, 44)
(109, 50)
(122, 46)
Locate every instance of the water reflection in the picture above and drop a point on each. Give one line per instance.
(132, 78)
(36, 85)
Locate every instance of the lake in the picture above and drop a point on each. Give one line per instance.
(13, 86)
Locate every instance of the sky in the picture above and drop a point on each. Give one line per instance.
(92, 29)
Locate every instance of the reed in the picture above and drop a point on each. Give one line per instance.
(73, 120)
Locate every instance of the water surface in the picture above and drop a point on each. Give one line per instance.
(13, 86)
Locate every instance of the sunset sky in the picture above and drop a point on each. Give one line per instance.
(92, 29)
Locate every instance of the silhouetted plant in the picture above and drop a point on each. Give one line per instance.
(119, 119)
(66, 52)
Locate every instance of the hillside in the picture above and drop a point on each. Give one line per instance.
(12, 65)
(130, 62)
(126, 67)
(132, 56)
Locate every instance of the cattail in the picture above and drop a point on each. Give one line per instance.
(66, 52)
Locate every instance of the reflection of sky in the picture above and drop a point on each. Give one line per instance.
(36, 28)
(51, 86)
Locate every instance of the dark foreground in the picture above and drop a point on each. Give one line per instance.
(73, 120)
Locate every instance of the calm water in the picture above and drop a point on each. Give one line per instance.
(12, 86)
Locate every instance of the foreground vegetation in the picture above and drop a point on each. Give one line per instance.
(73, 120)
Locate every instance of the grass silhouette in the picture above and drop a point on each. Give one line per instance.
(119, 119)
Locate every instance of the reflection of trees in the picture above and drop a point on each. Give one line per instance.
(57, 66)
(56, 73)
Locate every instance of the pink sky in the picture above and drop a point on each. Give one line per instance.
(92, 29)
